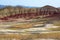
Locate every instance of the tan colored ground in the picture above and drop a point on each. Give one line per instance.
(26, 25)
(31, 36)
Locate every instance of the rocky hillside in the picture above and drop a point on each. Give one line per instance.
(10, 12)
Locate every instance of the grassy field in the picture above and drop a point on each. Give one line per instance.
(25, 36)
(57, 23)
(54, 29)
(28, 36)
(24, 25)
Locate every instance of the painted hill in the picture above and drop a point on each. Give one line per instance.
(10, 12)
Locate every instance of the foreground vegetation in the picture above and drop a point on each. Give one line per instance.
(28, 36)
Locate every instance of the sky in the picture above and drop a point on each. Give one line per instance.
(32, 3)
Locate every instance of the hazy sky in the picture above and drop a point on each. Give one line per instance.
(35, 3)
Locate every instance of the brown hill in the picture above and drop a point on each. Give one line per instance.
(21, 12)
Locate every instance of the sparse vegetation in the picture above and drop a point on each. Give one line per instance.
(31, 36)
(54, 29)
(57, 23)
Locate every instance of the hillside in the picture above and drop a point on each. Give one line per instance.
(9, 12)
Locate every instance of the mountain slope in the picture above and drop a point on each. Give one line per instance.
(15, 12)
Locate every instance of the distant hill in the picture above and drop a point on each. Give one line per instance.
(2, 6)
(7, 12)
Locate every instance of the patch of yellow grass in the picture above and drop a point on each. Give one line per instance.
(26, 25)
(54, 29)
(57, 23)
(31, 36)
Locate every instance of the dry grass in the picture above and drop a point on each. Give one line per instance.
(54, 29)
(25, 25)
(31, 36)
(57, 23)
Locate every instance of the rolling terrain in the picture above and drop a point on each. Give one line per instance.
(22, 23)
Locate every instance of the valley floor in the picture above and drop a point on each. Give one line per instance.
(29, 30)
